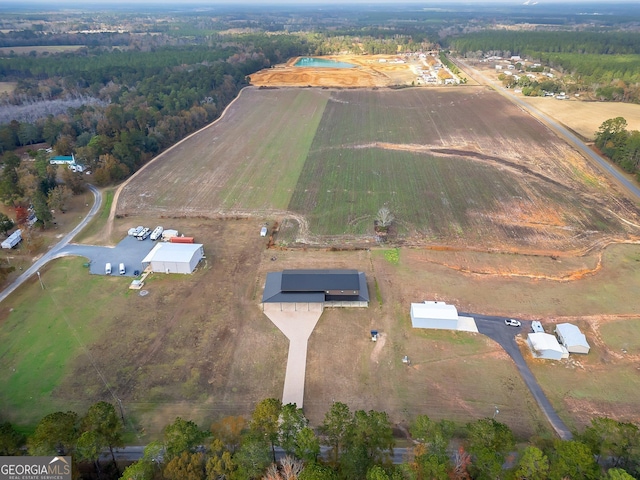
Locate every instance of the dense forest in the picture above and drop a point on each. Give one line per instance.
(357, 446)
(620, 145)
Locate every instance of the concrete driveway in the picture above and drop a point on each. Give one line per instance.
(296, 321)
(129, 251)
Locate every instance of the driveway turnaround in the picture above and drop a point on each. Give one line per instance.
(495, 328)
(296, 321)
(129, 251)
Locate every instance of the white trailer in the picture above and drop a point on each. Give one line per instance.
(157, 233)
(13, 239)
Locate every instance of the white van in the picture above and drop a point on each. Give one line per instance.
(107, 269)
(121, 269)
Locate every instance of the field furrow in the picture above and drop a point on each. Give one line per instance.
(454, 165)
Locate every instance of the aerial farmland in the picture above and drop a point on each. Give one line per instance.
(459, 166)
(493, 213)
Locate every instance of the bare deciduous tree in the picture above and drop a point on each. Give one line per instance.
(385, 218)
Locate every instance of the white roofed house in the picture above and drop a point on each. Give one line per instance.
(572, 338)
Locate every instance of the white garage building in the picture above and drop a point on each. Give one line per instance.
(572, 338)
(174, 257)
(546, 346)
(439, 315)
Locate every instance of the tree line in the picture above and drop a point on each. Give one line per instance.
(145, 100)
(604, 63)
(620, 145)
(349, 445)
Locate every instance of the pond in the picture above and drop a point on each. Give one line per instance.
(321, 62)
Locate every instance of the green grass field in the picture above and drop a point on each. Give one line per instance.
(45, 331)
(622, 336)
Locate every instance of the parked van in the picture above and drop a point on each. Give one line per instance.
(107, 269)
(121, 269)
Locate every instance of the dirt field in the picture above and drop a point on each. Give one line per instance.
(317, 157)
(369, 72)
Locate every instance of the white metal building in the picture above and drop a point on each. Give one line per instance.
(546, 346)
(439, 315)
(174, 257)
(572, 338)
(13, 239)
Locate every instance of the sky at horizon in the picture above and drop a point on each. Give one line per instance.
(429, 3)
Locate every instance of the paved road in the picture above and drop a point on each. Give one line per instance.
(630, 186)
(57, 250)
(134, 453)
(494, 328)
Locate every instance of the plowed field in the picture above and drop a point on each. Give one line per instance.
(457, 166)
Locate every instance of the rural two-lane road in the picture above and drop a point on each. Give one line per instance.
(561, 131)
(54, 252)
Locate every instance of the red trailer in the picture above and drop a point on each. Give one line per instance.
(181, 240)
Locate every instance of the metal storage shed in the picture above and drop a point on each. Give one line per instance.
(545, 345)
(572, 338)
(174, 257)
(434, 315)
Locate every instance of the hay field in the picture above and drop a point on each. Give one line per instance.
(458, 166)
(586, 117)
(40, 49)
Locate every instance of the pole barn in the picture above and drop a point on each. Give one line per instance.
(174, 257)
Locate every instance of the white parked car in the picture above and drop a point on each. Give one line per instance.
(263, 232)
(512, 323)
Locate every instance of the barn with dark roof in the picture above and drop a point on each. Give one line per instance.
(331, 288)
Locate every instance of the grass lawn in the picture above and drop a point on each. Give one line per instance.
(44, 330)
(98, 222)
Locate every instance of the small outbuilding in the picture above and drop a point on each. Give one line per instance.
(572, 338)
(13, 239)
(174, 257)
(546, 346)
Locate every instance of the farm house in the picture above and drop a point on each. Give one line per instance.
(572, 338)
(174, 257)
(441, 316)
(330, 288)
(546, 346)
